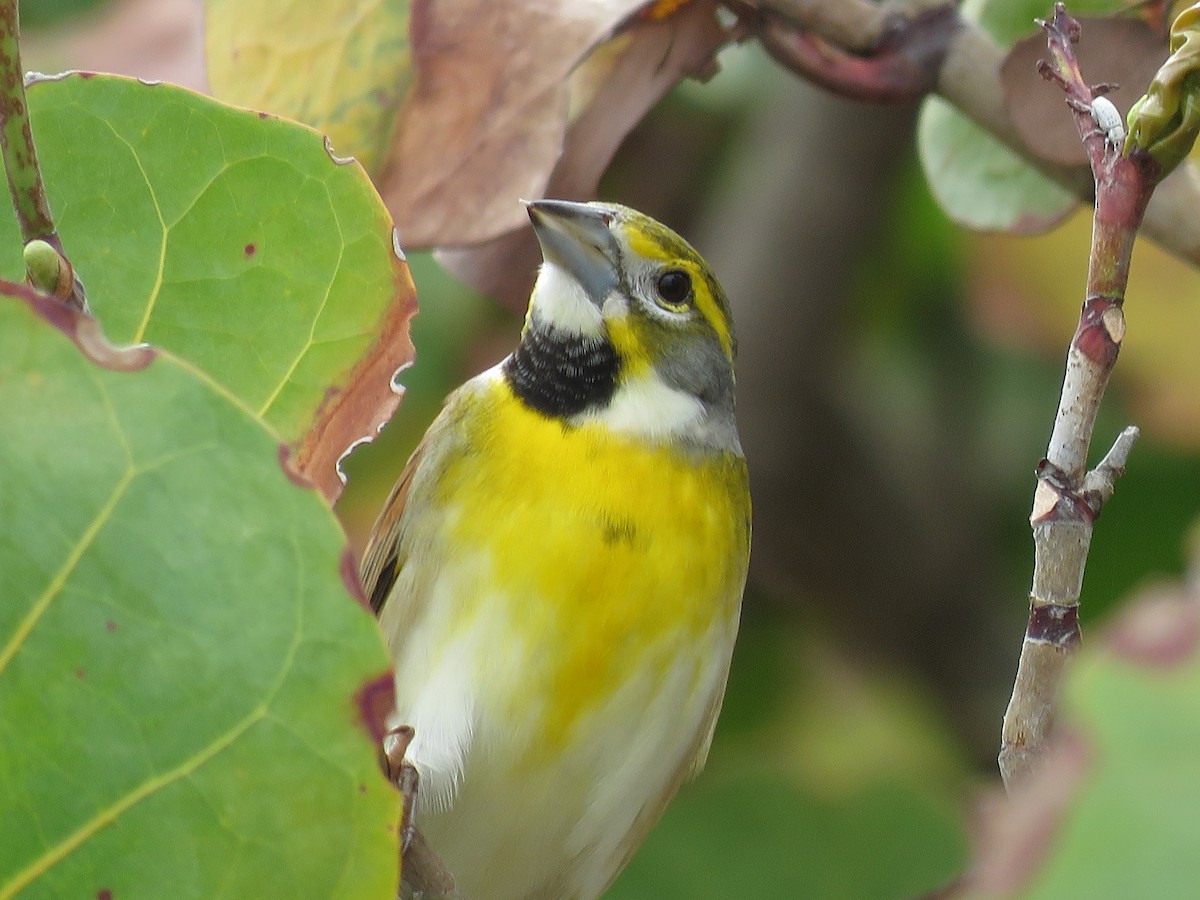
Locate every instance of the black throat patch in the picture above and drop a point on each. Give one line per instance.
(561, 375)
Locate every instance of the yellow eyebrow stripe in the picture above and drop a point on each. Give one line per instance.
(712, 312)
(673, 251)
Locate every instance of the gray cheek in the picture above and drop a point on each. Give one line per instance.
(698, 368)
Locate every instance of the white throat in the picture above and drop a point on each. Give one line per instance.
(558, 300)
(648, 407)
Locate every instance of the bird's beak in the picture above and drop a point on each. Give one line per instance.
(576, 238)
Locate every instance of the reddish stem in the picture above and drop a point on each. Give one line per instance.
(902, 66)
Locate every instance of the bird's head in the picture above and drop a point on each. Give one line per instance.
(627, 326)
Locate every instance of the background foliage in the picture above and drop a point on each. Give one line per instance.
(896, 386)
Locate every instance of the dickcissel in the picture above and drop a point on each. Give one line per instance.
(559, 570)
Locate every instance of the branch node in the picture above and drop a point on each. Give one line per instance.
(1050, 474)
(1054, 624)
(1099, 484)
(1113, 320)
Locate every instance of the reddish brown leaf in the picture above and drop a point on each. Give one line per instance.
(487, 118)
(1162, 631)
(624, 79)
(83, 330)
(353, 412)
(375, 700)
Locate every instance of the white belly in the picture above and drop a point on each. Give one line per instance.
(508, 818)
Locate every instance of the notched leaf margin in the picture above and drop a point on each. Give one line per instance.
(353, 412)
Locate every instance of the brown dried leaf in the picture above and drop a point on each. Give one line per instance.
(615, 87)
(487, 117)
(1123, 51)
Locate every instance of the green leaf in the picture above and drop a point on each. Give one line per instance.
(978, 181)
(1133, 830)
(184, 677)
(762, 837)
(236, 241)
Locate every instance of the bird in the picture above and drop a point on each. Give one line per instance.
(558, 572)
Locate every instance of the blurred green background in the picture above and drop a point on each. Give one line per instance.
(897, 382)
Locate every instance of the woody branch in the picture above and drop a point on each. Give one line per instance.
(1068, 498)
(897, 52)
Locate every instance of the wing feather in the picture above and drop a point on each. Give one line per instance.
(381, 559)
(383, 556)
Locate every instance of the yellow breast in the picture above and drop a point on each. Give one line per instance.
(623, 555)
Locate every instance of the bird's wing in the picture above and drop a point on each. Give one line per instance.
(381, 559)
(698, 756)
(401, 568)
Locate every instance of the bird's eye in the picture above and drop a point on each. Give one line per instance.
(674, 287)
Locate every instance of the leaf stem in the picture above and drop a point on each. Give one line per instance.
(25, 183)
(16, 136)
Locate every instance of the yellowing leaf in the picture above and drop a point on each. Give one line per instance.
(342, 66)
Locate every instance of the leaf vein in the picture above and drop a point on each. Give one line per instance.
(42, 603)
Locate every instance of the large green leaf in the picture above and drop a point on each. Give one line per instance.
(184, 676)
(1133, 830)
(978, 181)
(237, 241)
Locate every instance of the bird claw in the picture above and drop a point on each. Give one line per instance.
(404, 776)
